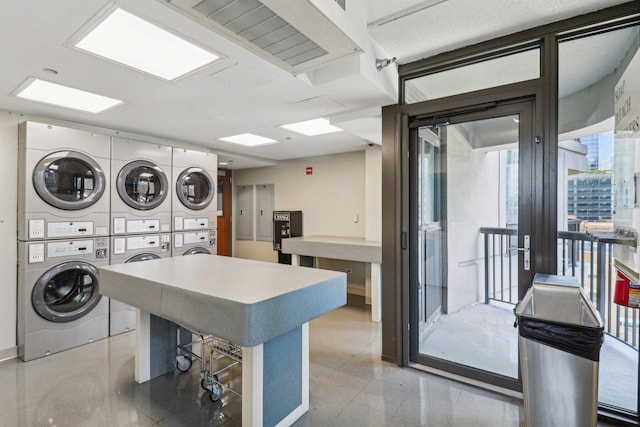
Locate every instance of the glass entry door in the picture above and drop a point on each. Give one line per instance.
(471, 203)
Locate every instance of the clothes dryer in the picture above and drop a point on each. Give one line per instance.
(63, 185)
(194, 197)
(122, 317)
(140, 173)
(194, 242)
(59, 301)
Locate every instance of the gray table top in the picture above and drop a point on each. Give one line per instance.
(244, 301)
(335, 247)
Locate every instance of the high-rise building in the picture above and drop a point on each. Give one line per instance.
(590, 193)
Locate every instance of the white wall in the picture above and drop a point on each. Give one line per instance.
(473, 201)
(373, 193)
(8, 232)
(330, 199)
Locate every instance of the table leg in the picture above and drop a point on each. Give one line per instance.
(143, 348)
(155, 346)
(274, 392)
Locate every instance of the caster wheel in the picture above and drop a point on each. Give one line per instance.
(183, 363)
(206, 384)
(216, 392)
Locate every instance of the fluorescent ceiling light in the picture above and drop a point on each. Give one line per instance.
(65, 96)
(132, 41)
(248, 139)
(312, 127)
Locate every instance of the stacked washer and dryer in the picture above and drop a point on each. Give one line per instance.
(140, 212)
(63, 238)
(194, 202)
(87, 200)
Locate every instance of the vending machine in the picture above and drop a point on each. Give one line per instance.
(285, 224)
(626, 202)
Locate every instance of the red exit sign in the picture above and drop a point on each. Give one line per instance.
(309, 170)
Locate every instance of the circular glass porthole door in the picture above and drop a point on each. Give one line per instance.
(197, 250)
(195, 188)
(66, 292)
(143, 257)
(142, 185)
(69, 180)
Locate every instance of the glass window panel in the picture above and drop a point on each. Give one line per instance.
(513, 68)
(597, 160)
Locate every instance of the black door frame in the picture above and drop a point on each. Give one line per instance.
(529, 172)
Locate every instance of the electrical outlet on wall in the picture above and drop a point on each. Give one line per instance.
(356, 218)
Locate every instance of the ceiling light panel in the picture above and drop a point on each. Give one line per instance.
(65, 96)
(259, 25)
(312, 127)
(129, 40)
(248, 139)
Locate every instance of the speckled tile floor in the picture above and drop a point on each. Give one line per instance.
(350, 386)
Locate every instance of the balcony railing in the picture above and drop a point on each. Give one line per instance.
(579, 254)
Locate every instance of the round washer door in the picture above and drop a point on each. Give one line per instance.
(195, 188)
(142, 185)
(66, 292)
(69, 180)
(197, 250)
(142, 257)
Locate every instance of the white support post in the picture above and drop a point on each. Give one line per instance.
(376, 292)
(143, 347)
(252, 386)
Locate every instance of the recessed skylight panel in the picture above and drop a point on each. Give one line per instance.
(312, 127)
(65, 96)
(127, 39)
(248, 139)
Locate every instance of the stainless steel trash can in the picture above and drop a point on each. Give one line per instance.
(560, 335)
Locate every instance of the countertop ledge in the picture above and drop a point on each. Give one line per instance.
(335, 247)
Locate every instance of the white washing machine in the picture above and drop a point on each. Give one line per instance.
(63, 185)
(194, 206)
(122, 317)
(140, 180)
(59, 301)
(194, 242)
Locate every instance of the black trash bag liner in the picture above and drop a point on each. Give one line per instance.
(583, 341)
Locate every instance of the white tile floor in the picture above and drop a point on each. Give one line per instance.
(350, 386)
(488, 340)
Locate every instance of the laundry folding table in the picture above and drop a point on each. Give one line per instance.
(262, 307)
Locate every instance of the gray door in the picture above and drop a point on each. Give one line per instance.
(66, 292)
(195, 188)
(142, 185)
(244, 212)
(69, 180)
(142, 257)
(264, 212)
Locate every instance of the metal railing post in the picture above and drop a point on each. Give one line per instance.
(602, 278)
(486, 268)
